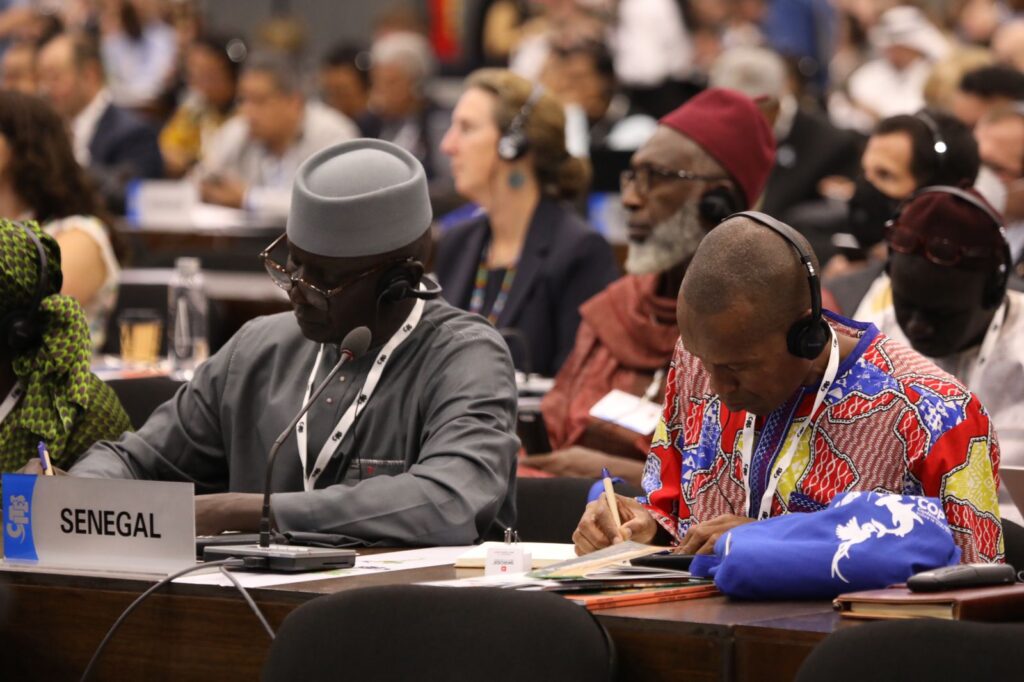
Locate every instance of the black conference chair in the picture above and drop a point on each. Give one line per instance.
(548, 509)
(410, 632)
(1013, 541)
(143, 395)
(919, 650)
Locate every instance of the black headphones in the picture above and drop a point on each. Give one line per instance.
(22, 328)
(996, 289)
(807, 336)
(718, 204)
(939, 145)
(403, 280)
(513, 144)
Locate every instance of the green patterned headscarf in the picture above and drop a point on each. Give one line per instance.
(59, 387)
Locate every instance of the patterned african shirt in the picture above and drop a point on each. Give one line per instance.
(892, 421)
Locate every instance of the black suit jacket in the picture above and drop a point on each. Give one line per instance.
(813, 150)
(123, 148)
(563, 263)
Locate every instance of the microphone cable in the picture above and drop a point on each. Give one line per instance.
(223, 565)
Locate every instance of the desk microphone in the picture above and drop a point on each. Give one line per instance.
(355, 343)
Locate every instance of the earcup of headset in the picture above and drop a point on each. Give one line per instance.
(511, 146)
(20, 332)
(716, 205)
(807, 338)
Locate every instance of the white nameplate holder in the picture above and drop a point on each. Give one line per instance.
(507, 559)
(629, 411)
(93, 523)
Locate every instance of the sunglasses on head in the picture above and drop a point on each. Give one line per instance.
(938, 250)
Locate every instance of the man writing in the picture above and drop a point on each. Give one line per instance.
(758, 422)
(948, 267)
(411, 444)
(707, 159)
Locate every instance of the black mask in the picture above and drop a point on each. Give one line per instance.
(869, 211)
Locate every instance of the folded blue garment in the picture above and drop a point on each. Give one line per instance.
(861, 541)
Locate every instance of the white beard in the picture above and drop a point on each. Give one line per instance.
(672, 241)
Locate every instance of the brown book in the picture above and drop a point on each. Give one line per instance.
(644, 595)
(1001, 602)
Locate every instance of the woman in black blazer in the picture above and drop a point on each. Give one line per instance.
(528, 260)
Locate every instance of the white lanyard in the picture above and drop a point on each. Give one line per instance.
(345, 423)
(651, 393)
(987, 345)
(747, 447)
(11, 400)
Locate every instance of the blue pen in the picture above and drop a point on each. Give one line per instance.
(44, 458)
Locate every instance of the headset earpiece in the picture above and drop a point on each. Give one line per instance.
(403, 281)
(808, 336)
(513, 144)
(717, 204)
(22, 329)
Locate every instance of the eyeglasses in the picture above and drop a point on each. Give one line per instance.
(642, 176)
(317, 297)
(938, 250)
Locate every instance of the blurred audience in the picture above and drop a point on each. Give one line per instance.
(808, 147)
(18, 68)
(139, 51)
(115, 145)
(1000, 136)
(1008, 43)
(598, 116)
(40, 180)
(345, 85)
(401, 65)
(251, 161)
(893, 83)
(982, 89)
(943, 85)
(212, 81)
(528, 261)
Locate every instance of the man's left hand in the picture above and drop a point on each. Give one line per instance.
(701, 538)
(221, 190)
(228, 511)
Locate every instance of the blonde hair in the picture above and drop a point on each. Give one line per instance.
(945, 76)
(559, 174)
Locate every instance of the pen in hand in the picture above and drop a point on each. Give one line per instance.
(44, 459)
(613, 505)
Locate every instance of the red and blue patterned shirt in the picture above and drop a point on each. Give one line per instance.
(892, 421)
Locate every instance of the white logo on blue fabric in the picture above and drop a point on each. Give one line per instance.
(853, 533)
(17, 517)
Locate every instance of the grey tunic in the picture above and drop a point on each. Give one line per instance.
(431, 459)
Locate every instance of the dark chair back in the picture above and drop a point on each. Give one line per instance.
(408, 632)
(549, 509)
(143, 395)
(919, 650)
(1013, 542)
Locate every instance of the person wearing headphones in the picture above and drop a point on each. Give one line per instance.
(413, 443)
(47, 393)
(948, 266)
(707, 159)
(775, 406)
(527, 261)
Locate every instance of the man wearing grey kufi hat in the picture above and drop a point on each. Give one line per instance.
(426, 416)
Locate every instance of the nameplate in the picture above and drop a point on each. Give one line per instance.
(628, 411)
(94, 523)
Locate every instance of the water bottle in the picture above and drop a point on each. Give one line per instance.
(187, 344)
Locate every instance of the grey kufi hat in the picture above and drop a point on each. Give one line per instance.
(358, 198)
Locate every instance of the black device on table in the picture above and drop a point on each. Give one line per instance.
(961, 576)
(676, 562)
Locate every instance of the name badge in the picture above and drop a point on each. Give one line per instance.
(628, 411)
(93, 523)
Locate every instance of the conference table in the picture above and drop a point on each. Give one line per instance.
(203, 632)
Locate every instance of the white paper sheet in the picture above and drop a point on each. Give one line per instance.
(372, 563)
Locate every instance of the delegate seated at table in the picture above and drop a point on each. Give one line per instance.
(750, 429)
(431, 455)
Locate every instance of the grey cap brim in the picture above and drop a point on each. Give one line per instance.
(362, 197)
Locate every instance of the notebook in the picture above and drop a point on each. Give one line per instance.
(542, 554)
(1002, 602)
